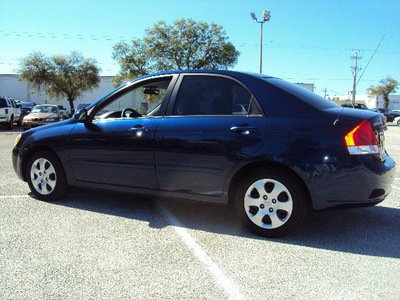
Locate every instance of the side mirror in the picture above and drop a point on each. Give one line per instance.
(81, 116)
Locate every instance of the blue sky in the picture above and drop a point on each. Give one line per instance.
(309, 41)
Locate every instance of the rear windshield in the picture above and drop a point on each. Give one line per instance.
(3, 102)
(26, 104)
(301, 93)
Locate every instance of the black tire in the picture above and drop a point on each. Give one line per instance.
(19, 123)
(10, 124)
(46, 177)
(271, 202)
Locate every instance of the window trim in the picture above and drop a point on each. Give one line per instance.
(131, 86)
(178, 84)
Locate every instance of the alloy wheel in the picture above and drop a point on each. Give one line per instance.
(43, 176)
(268, 203)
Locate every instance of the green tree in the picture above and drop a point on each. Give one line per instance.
(386, 87)
(186, 44)
(60, 76)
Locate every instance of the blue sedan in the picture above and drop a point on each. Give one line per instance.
(270, 148)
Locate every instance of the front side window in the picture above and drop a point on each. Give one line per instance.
(140, 101)
(210, 95)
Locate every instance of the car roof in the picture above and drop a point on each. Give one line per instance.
(235, 74)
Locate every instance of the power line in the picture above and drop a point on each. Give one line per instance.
(96, 37)
(373, 54)
(66, 36)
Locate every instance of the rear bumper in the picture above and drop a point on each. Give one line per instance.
(364, 181)
(5, 119)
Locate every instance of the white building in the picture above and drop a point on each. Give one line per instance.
(307, 86)
(370, 102)
(11, 87)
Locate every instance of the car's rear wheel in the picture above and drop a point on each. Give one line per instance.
(46, 176)
(19, 123)
(10, 124)
(271, 202)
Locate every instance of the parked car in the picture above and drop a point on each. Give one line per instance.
(397, 121)
(63, 110)
(10, 112)
(82, 105)
(390, 115)
(355, 105)
(26, 108)
(216, 136)
(42, 115)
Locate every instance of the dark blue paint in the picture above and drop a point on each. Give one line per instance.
(197, 157)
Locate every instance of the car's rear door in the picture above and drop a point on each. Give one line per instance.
(213, 123)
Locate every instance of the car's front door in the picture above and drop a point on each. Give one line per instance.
(213, 125)
(117, 147)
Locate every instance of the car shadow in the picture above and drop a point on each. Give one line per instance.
(15, 129)
(373, 231)
(115, 204)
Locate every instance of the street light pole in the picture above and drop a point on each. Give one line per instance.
(265, 17)
(261, 38)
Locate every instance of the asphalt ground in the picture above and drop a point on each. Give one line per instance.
(96, 245)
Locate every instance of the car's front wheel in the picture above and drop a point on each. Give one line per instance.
(46, 176)
(271, 202)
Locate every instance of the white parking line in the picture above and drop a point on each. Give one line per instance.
(230, 288)
(396, 188)
(15, 196)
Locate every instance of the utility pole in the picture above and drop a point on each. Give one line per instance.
(265, 18)
(355, 69)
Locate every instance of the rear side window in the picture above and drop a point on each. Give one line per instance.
(3, 102)
(210, 95)
(302, 94)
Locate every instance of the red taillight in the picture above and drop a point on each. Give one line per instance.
(361, 140)
(6, 111)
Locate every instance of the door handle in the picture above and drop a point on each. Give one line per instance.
(244, 129)
(138, 130)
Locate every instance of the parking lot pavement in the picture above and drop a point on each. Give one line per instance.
(103, 245)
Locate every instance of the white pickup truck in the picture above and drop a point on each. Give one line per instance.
(10, 113)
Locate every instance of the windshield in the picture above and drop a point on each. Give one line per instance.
(360, 106)
(45, 109)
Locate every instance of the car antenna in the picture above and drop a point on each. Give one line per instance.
(337, 122)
